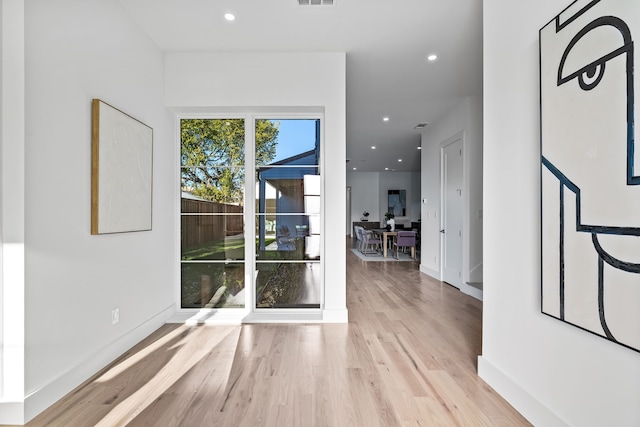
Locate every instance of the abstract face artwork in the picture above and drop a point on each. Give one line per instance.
(590, 169)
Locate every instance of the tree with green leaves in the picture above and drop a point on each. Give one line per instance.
(213, 152)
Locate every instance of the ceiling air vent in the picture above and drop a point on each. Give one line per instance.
(421, 125)
(316, 2)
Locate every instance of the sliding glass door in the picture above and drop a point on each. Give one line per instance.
(274, 244)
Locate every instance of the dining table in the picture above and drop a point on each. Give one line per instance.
(385, 236)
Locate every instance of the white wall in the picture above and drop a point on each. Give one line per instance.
(198, 81)
(12, 170)
(365, 196)
(76, 51)
(464, 121)
(553, 373)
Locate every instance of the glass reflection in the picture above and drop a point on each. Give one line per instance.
(212, 142)
(212, 237)
(294, 138)
(287, 237)
(288, 285)
(284, 190)
(212, 285)
(218, 184)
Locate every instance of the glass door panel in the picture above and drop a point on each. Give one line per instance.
(212, 156)
(288, 217)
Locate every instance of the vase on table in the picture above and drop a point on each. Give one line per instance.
(391, 223)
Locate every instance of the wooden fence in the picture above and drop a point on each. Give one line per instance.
(198, 229)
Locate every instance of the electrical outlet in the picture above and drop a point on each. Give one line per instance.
(115, 316)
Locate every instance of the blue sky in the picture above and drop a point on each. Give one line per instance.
(296, 136)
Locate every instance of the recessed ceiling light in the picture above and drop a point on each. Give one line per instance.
(354, 168)
(373, 147)
(229, 16)
(316, 2)
(399, 160)
(385, 119)
(432, 57)
(386, 169)
(419, 148)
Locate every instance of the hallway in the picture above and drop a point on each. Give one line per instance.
(407, 357)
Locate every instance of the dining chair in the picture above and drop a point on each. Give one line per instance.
(404, 239)
(371, 242)
(359, 230)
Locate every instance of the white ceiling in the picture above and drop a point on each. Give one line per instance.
(386, 41)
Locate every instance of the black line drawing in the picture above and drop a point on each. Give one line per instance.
(590, 248)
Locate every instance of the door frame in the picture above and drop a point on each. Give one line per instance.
(249, 313)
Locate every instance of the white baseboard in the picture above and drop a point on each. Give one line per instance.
(229, 316)
(45, 396)
(429, 272)
(464, 288)
(472, 291)
(240, 316)
(530, 408)
(335, 316)
(12, 413)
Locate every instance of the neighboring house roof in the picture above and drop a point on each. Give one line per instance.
(304, 159)
(186, 195)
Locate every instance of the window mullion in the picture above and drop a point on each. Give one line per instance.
(250, 211)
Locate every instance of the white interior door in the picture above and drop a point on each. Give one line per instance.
(452, 206)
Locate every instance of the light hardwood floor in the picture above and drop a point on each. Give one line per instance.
(406, 358)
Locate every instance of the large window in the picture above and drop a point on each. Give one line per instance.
(218, 233)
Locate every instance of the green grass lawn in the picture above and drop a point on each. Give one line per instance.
(228, 249)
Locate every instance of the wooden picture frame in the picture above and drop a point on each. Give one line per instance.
(121, 171)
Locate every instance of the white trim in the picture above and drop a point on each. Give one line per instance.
(532, 409)
(229, 316)
(251, 314)
(250, 275)
(12, 413)
(335, 316)
(471, 291)
(290, 316)
(242, 316)
(464, 288)
(45, 396)
(429, 272)
(12, 199)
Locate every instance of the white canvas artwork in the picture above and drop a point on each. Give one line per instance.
(590, 169)
(122, 151)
